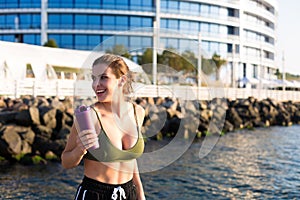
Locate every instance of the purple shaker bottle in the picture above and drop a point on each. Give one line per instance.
(84, 121)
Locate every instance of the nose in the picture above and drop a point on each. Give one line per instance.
(96, 82)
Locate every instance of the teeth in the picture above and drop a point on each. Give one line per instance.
(100, 91)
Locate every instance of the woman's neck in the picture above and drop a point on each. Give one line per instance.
(118, 108)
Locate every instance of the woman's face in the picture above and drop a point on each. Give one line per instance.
(104, 82)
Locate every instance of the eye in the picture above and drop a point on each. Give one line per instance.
(93, 77)
(104, 77)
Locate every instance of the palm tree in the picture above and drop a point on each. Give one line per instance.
(219, 62)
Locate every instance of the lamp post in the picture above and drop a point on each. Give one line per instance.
(199, 66)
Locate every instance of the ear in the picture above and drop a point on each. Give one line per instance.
(123, 80)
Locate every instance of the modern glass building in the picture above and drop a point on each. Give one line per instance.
(242, 31)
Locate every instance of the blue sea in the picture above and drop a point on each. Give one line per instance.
(259, 164)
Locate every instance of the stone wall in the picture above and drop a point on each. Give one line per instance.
(40, 126)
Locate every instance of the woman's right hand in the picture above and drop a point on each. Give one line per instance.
(87, 139)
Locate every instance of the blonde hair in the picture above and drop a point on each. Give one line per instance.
(119, 68)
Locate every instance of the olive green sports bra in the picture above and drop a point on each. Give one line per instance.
(107, 152)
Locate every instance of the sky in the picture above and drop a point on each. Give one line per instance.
(289, 36)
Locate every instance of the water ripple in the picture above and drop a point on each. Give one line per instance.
(259, 164)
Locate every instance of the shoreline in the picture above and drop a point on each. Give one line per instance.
(35, 130)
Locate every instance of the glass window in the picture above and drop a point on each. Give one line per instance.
(81, 21)
(163, 23)
(147, 42)
(184, 45)
(122, 40)
(194, 8)
(173, 24)
(194, 27)
(215, 10)
(184, 7)
(136, 2)
(173, 6)
(214, 47)
(184, 26)
(2, 21)
(205, 46)
(36, 21)
(223, 50)
(204, 27)
(108, 22)
(66, 20)
(81, 41)
(146, 22)
(66, 4)
(53, 3)
(25, 21)
(223, 30)
(10, 19)
(135, 42)
(135, 21)
(214, 29)
(11, 4)
(80, 4)
(94, 40)
(67, 41)
(108, 4)
(163, 5)
(204, 10)
(25, 3)
(172, 43)
(148, 3)
(53, 21)
(29, 38)
(36, 3)
(121, 22)
(122, 4)
(55, 37)
(9, 38)
(163, 43)
(96, 4)
(94, 21)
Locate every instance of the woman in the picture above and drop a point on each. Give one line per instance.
(110, 171)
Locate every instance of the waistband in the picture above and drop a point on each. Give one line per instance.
(97, 185)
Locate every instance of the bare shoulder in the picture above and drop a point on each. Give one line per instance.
(140, 111)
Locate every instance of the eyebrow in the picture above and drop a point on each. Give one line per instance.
(99, 74)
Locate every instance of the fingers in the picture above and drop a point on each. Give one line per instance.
(88, 138)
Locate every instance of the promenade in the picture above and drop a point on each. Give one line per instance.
(82, 88)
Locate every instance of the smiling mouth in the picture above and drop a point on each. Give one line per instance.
(99, 92)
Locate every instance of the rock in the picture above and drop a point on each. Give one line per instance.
(233, 117)
(13, 141)
(228, 127)
(43, 131)
(2, 103)
(8, 116)
(34, 115)
(49, 118)
(23, 118)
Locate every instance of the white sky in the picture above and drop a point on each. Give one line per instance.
(289, 35)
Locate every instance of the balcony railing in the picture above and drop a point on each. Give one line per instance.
(64, 88)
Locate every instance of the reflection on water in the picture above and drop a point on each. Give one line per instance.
(260, 164)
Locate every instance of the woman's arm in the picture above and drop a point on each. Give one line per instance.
(136, 175)
(138, 183)
(74, 150)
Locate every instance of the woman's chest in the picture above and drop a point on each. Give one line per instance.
(121, 133)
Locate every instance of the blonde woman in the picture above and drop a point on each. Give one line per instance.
(110, 171)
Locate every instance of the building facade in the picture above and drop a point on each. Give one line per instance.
(242, 31)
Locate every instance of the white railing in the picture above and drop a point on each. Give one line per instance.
(63, 88)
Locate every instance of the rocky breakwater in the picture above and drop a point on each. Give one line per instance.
(217, 116)
(33, 130)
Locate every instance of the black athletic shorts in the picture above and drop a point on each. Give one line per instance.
(91, 189)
